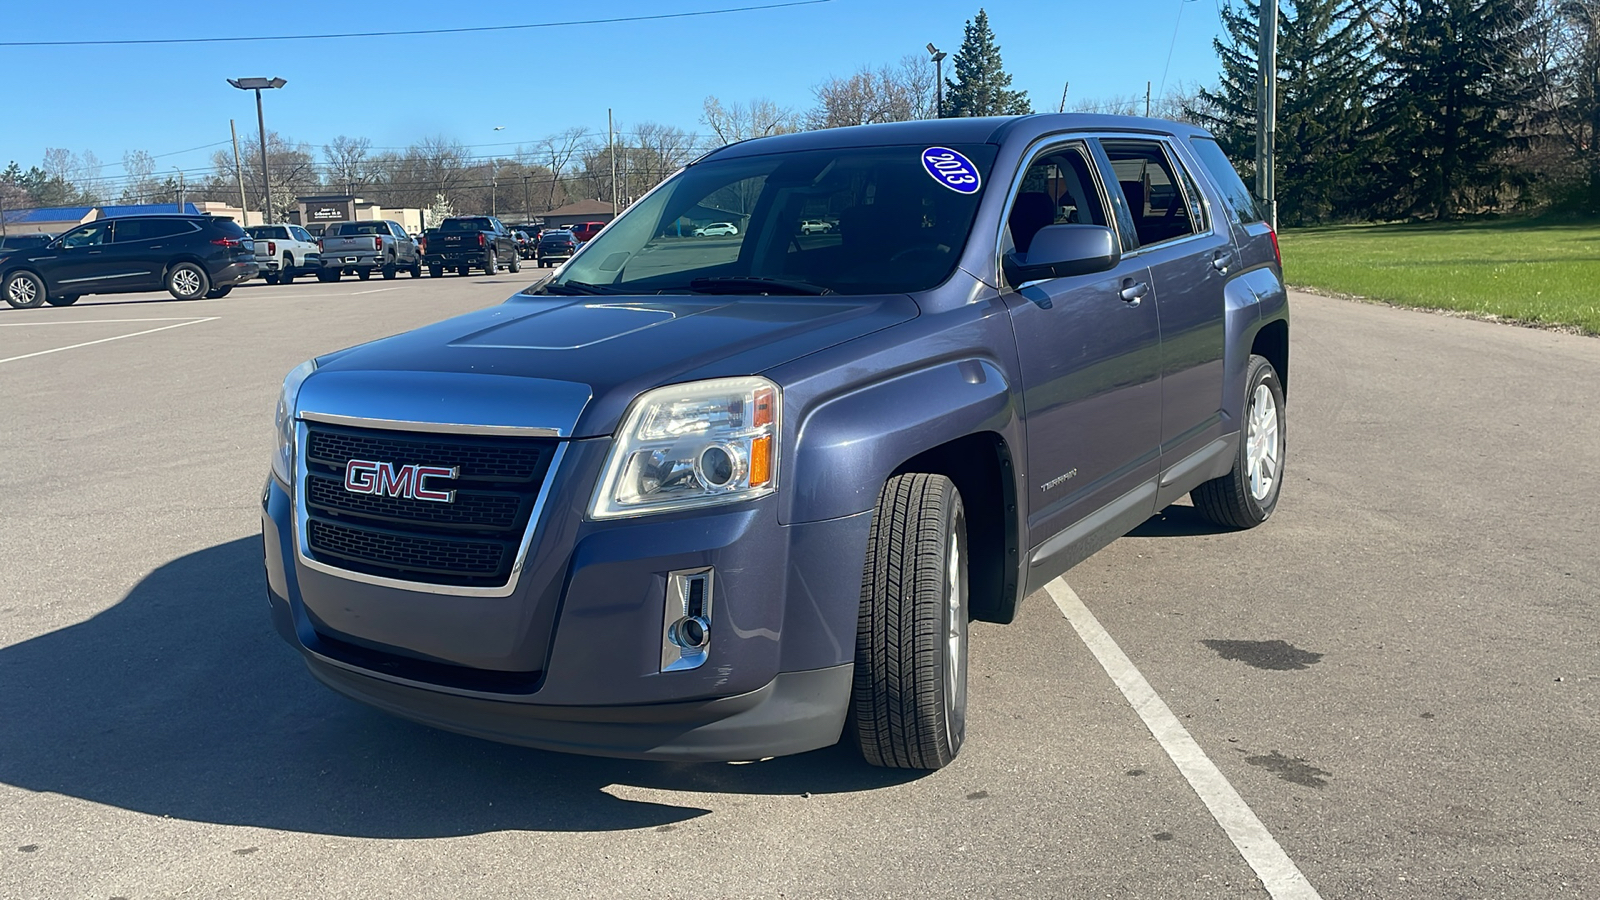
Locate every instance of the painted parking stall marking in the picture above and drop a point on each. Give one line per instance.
(118, 337)
(1278, 873)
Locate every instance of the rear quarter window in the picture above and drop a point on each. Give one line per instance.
(1240, 202)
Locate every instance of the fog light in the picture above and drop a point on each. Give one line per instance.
(686, 620)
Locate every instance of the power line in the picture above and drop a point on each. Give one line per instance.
(423, 31)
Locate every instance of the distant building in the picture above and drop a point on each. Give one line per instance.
(581, 211)
(323, 209)
(49, 220)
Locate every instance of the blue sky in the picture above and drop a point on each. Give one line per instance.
(395, 90)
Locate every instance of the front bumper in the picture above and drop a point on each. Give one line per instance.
(571, 659)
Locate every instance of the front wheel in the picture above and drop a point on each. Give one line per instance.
(415, 270)
(1248, 494)
(493, 265)
(909, 699)
(272, 277)
(515, 265)
(187, 281)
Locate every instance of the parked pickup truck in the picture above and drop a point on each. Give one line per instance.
(284, 251)
(463, 243)
(728, 503)
(361, 248)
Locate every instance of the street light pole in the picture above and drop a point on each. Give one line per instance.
(238, 171)
(938, 77)
(258, 85)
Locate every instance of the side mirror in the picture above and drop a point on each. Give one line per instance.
(1060, 251)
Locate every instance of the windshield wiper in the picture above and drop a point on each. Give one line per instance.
(750, 284)
(571, 288)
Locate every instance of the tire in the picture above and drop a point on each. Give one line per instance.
(415, 270)
(24, 290)
(328, 275)
(389, 272)
(272, 278)
(436, 271)
(909, 700)
(287, 276)
(515, 265)
(187, 281)
(492, 265)
(64, 300)
(1247, 495)
(363, 274)
(219, 293)
(461, 270)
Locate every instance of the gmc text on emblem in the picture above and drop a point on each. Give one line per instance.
(362, 476)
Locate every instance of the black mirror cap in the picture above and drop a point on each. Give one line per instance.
(1060, 251)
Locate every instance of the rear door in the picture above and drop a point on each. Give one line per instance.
(1091, 368)
(1189, 257)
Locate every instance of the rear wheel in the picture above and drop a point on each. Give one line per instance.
(909, 703)
(64, 300)
(461, 270)
(436, 271)
(415, 270)
(287, 276)
(389, 272)
(1248, 494)
(272, 277)
(328, 275)
(187, 281)
(363, 274)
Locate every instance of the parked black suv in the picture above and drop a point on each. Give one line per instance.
(190, 256)
(555, 246)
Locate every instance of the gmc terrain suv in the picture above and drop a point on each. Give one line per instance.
(190, 256)
(731, 501)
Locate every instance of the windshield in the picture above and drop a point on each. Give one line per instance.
(362, 228)
(893, 227)
(268, 232)
(465, 225)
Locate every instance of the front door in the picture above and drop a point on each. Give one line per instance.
(81, 265)
(1091, 368)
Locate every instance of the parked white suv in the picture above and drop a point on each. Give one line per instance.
(284, 251)
(716, 229)
(815, 226)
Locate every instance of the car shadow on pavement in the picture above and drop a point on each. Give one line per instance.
(1178, 521)
(182, 701)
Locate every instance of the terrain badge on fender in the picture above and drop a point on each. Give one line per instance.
(363, 476)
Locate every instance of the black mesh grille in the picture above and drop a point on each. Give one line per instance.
(413, 554)
(471, 541)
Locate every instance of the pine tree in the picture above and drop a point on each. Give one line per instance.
(1325, 70)
(1454, 92)
(981, 86)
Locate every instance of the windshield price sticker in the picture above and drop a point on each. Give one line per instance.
(951, 169)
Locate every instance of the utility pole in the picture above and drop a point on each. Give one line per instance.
(1267, 110)
(611, 144)
(527, 201)
(180, 189)
(1147, 99)
(244, 205)
(1063, 106)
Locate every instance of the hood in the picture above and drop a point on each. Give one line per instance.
(573, 364)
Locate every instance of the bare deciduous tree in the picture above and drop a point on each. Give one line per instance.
(752, 119)
(896, 93)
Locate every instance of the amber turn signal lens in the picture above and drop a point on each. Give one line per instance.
(763, 411)
(761, 461)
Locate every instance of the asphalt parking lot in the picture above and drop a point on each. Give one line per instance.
(1395, 679)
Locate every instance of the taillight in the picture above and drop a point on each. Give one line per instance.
(480, 240)
(377, 242)
(423, 245)
(272, 248)
(227, 242)
(1275, 251)
(319, 245)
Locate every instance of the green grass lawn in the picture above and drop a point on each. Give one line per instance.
(1525, 271)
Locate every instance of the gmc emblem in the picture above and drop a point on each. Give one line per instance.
(362, 476)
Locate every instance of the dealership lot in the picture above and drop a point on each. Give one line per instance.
(1396, 675)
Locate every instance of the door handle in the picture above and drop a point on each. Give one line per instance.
(1222, 259)
(1133, 293)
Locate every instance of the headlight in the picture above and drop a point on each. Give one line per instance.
(690, 445)
(283, 422)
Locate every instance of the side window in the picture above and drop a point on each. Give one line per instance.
(1240, 202)
(1058, 188)
(92, 236)
(1151, 185)
(129, 230)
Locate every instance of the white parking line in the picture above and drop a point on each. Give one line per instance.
(104, 340)
(96, 321)
(373, 291)
(1278, 873)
